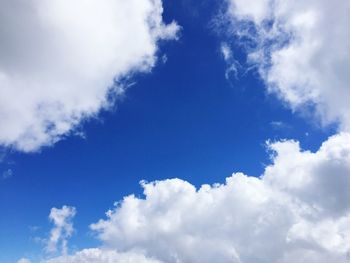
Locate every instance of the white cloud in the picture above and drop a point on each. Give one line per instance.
(62, 230)
(24, 260)
(59, 61)
(226, 51)
(96, 255)
(255, 10)
(232, 63)
(297, 211)
(304, 56)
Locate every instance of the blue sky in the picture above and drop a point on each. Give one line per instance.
(183, 119)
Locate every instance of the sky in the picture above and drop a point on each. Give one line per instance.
(174, 131)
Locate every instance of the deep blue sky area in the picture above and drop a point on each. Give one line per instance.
(184, 119)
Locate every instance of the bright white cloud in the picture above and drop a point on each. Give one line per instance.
(62, 230)
(304, 56)
(24, 260)
(62, 58)
(255, 10)
(297, 211)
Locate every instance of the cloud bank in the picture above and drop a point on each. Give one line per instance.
(302, 51)
(62, 59)
(298, 210)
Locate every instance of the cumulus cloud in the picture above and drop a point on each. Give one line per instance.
(298, 210)
(24, 260)
(61, 61)
(302, 52)
(62, 230)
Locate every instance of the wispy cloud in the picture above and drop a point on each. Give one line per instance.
(7, 174)
(232, 64)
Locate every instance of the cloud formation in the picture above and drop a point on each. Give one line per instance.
(63, 59)
(298, 210)
(302, 52)
(62, 230)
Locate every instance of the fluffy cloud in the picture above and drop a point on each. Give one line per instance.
(62, 230)
(302, 51)
(297, 211)
(62, 59)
